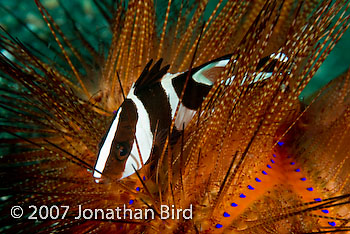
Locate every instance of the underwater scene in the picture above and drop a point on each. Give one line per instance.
(174, 116)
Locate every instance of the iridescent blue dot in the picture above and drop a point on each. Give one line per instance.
(318, 199)
(332, 224)
(226, 214)
(250, 187)
(280, 143)
(242, 195)
(272, 161)
(264, 172)
(310, 189)
(269, 166)
(303, 179)
(274, 155)
(144, 178)
(114, 112)
(131, 201)
(297, 170)
(138, 189)
(325, 211)
(292, 163)
(234, 204)
(218, 225)
(257, 179)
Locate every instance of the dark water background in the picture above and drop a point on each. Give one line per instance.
(88, 19)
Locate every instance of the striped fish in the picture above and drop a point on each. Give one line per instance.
(150, 107)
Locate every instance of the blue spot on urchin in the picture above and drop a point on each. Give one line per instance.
(138, 189)
(297, 170)
(318, 199)
(250, 187)
(310, 189)
(226, 214)
(257, 179)
(280, 143)
(292, 163)
(242, 195)
(268, 166)
(234, 204)
(131, 201)
(218, 225)
(272, 161)
(332, 224)
(264, 172)
(144, 178)
(325, 211)
(303, 179)
(114, 112)
(274, 155)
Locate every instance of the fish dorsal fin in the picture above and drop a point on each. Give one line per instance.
(150, 77)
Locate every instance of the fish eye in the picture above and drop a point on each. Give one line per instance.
(122, 150)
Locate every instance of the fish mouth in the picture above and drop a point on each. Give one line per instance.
(97, 176)
(105, 178)
(98, 180)
(132, 164)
